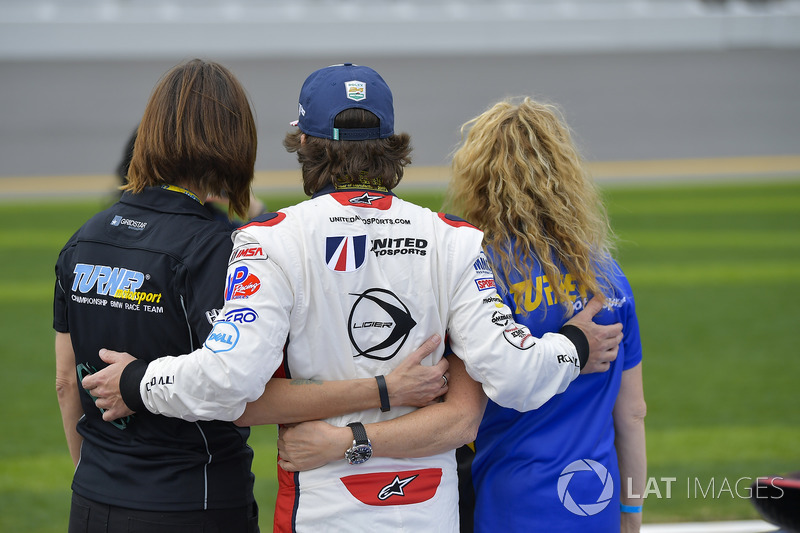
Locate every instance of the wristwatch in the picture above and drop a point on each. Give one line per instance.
(361, 450)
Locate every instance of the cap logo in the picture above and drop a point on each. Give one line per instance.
(356, 90)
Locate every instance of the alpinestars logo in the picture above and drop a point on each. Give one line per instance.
(384, 489)
(395, 488)
(379, 324)
(364, 199)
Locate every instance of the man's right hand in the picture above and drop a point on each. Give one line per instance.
(104, 385)
(603, 340)
(414, 384)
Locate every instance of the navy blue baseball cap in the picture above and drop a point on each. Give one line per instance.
(330, 90)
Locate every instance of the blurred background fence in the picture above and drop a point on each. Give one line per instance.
(36, 29)
(639, 80)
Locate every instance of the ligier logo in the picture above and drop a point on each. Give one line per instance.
(605, 487)
(379, 324)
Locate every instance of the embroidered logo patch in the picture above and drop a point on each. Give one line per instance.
(356, 90)
(394, 488)
(223, 337)
(241, 284)
(345, 253)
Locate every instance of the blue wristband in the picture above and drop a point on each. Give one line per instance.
(630, 508)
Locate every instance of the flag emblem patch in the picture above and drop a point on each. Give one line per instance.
(345, 253)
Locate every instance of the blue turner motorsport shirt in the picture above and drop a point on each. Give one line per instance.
(555, 468)
(147, 276)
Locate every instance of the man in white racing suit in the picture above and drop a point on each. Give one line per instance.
(344, 286)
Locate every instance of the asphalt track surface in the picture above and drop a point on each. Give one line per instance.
(633, 114)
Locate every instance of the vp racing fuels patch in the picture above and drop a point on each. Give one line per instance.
(241, 284)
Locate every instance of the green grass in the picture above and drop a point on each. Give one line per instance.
(716, 273)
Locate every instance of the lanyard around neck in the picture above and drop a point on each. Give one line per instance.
(187, 192)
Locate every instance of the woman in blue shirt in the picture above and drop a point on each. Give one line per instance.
(579, 461)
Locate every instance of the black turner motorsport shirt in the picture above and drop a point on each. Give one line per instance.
(146, 276)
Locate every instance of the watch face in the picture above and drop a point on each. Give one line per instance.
(358, 454)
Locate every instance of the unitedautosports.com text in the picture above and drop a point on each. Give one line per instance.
(709, 488)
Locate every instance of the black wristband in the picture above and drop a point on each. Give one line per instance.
(383, 392)
(129, 382)
(578, 338)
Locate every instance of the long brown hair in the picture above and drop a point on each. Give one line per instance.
(518, 176)
(197, 129)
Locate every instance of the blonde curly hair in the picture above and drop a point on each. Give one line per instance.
(519, 177)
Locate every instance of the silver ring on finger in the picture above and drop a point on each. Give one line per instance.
(445, 380)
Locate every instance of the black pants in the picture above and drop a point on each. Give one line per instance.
(466, 492)
(87, 516)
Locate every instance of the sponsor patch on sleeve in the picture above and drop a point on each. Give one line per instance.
(223, 337)
(484, 284)
(251, 250)
(519, 336)
(481, 266)
(241, 284)
(241, 315)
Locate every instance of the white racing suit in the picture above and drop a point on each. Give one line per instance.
(349, 283)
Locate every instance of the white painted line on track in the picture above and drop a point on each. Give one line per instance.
(734, 526)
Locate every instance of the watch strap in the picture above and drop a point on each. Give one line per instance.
(383, 392)
(359, 433)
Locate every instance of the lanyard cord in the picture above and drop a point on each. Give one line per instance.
(187, 192)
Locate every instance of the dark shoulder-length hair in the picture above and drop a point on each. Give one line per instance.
(374, 163)
(197, 129)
